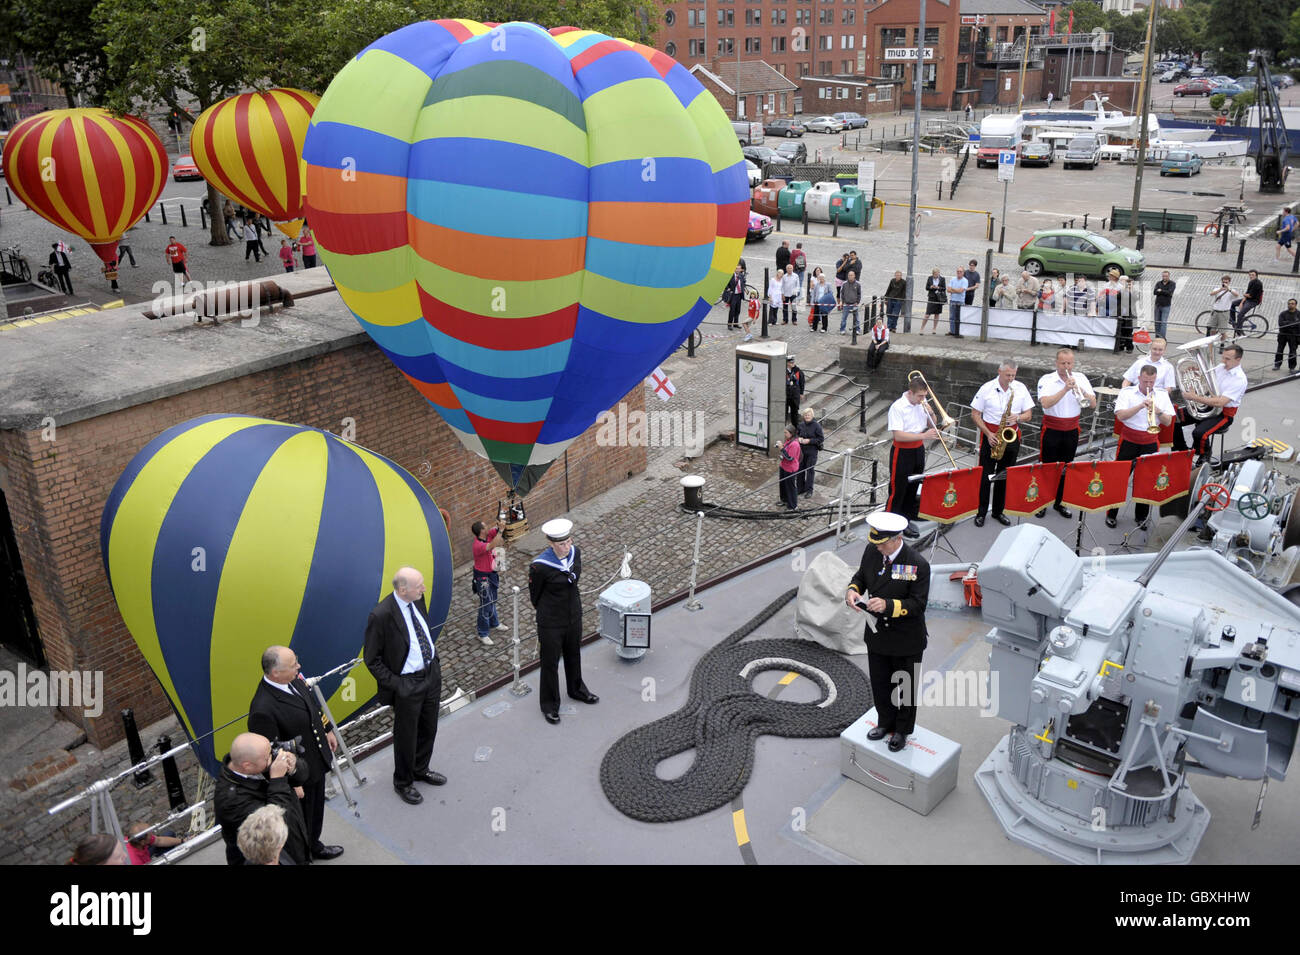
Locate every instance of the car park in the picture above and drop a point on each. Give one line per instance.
(1180, 162)
(761, 155)
(783, 127)
(1036, 154)
(852, 120)
(1082, 151)
(1194, 87)
(760, 226)
(792, 152)
(823, 124)
(1078, 251)
(185, 168)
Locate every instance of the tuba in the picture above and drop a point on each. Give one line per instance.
(1195, 372)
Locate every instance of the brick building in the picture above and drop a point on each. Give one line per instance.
(751, 89)
(83, 395)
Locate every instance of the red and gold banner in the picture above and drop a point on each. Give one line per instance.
(948, 496)
(1159, 478)
(1096, 486)
(1031, 487)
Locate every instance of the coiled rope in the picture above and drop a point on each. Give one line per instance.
(722, 720)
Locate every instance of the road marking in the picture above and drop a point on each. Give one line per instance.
(738, 823)
(789, 678)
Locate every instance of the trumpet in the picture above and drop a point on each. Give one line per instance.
(1153, 420)
(939, 413)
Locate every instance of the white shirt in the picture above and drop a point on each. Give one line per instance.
(1222, 302)
(282, 687)
(774, 291)
(991, 401)
(1131, 397)
(414, 658)
(880, 333)
(905, 416)
(1068, 406)
(790, 284)
(1230, 384)
(1164, 372)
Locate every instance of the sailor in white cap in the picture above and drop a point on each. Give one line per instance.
(893, 584)
(553, 589)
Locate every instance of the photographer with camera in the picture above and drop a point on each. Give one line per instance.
(256, 774)
(284, 708)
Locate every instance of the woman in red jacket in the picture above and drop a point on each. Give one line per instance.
(790, 454)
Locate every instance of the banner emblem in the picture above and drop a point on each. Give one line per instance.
(1096, 487)
(1162, 479)
(950, 496)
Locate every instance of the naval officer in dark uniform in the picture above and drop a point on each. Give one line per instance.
(553, 589)
(893, 583)
(282, 708)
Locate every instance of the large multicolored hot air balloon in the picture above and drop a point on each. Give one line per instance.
(87, 171)
(525, 222)
(250, 147)
(228, 534)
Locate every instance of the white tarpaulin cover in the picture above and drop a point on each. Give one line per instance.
(821, 613)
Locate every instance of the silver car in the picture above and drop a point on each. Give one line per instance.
(823, 124)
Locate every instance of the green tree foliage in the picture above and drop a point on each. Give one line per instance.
(1217, 101)
(62, 42)
(1240, 107)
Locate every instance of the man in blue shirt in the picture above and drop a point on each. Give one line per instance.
(956, 299)
(1285, 232)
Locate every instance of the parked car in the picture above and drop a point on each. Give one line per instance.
(185, 168)
(823, 124)
(1168, 76)
(761, 155)
(1194, 87)
(753, 173)
(783, 127)
(1082, 151)
(792, 152)
(852, 120)
(1180, 162)
(1283, 80)
(1197, 71)
(1036, 154)
(1227, 89)
(1078, 251)
(749, 134)
(760, 227)
(1246, 82)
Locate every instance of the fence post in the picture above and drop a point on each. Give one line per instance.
(874, 480)
(1033, 328)
(989, 237)
(804, 207)
(1295, 262)
(835, 225)
(1085, 219)
(1142, 236)
(518, 688)
(1223, 234)
(1164, 220)
(1002, 239)
(184, 224)
(862, 411)
(9, 200)
(767, 281)
(203, 218)
(1103, 223)
(1241, 253)
(1187, 252)
(162, 211)
(692, 602)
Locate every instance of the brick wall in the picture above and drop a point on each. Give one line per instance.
(56, 492)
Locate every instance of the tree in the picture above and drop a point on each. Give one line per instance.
(1291, 40)
(64, 44)
(1087, 16)
(1240, 108)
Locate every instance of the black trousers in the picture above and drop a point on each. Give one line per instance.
(1128, 451)
(991, 467)
(1059, 446)
(895, 718)
(807, 471)
(876, 354)
(554, 643)
(251, 248)
(1215, 424)
(1287, 339)
(733, 308)
(905, 495)
(313, 810)
(64, 277)
(792, 409)
(415, 722)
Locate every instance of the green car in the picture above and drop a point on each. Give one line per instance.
(1078, 251)
(1180, 162)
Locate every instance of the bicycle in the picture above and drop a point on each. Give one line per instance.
(1250, 325)
(1228, 218)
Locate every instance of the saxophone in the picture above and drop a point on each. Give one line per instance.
(1006, 434)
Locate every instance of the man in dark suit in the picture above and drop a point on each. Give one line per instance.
(62, 266)
(399, 652)
(283, 708)
(893, 583)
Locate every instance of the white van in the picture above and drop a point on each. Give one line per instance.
(749, 134)
(999, 131)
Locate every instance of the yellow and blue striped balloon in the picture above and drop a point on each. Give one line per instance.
(228, 534)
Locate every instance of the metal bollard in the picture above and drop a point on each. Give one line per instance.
(184, 224)
(162, 211)
(135, 748)
(203, 218)
(1142, 236)
(805, 218)
(8, 198)
(989, 237)
(835, 225)
(1002, 239)
(1085, 219)
(517, 688)
(1223, 229)
(690, 344)
(146, 216)
(767, 278)
(1241, 253)
(1187, 252)
(1295, 262)
(172, 775)
(692, 603)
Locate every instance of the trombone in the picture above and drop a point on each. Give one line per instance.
(942, 415)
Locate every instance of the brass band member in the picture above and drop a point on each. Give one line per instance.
(893, 583)
(1166, 379)
(1063, 395)
(1141, 410)
(1230, 382)
(910, 424)
(1000, 403)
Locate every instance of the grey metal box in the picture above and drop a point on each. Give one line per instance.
(918, 777)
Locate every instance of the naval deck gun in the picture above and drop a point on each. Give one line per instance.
(1122, 676)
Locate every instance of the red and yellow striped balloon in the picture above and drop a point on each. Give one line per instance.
(250, 147)
(87, 171)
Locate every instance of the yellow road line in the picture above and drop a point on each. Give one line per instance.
(738, 823)
(788, 678)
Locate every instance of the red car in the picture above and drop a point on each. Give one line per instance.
(1197, 87)
(185, 169)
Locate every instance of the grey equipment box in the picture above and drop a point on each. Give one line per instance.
(918, 777)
